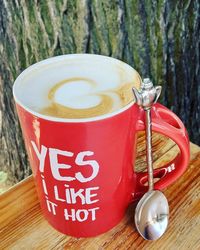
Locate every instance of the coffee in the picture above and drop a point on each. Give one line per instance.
(80, 88)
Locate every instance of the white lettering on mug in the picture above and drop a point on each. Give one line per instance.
(72, 196)
(51, 206)
(80, 214)
(88, 195)
(44, 185)
(80, 162)
(57, 195)
(93, 212)
(68, 216)
(77, 194)
(41, 155)
(56, 166)
(84, 213)
(69, 195)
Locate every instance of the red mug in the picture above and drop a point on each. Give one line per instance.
(83, 168)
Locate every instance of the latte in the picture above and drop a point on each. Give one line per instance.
(80, 88)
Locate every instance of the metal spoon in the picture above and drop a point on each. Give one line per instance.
(151, 214)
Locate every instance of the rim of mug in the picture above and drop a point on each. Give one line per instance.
(60, 58)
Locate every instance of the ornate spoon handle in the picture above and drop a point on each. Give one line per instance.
(146, 97)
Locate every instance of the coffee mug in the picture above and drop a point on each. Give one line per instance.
(83, 165)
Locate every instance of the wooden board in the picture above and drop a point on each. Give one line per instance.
(22, 225)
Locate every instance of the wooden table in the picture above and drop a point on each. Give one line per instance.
(22, 226)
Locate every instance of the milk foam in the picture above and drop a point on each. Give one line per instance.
(77, 95)
(84, 94)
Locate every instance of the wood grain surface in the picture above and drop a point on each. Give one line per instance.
(22, 225)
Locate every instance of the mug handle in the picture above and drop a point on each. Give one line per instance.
(167, 123)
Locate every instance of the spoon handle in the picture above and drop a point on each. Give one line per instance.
(146, 97)
(149, 148)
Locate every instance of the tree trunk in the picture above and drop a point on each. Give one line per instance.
(160, 39)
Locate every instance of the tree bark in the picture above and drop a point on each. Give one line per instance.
(160, 39)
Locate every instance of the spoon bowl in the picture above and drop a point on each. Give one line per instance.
(151, 215)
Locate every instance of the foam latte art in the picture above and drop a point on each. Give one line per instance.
(79, 97)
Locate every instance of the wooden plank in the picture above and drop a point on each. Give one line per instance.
(22, 225)
(13, 203)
